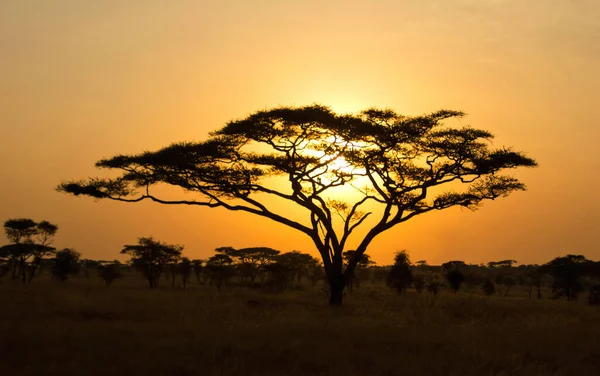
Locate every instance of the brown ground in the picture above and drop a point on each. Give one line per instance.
(84, 328)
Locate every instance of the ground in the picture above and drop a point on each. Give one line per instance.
(82, 327)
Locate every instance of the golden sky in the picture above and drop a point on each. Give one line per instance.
(82, 80)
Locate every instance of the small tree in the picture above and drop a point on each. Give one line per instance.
(566, 273)
(65, 263)
(150, 257)
(434, 287)
(419, 283)
(219, 269)
(455, 279)
(400, 276)
(197, 265)
(185, 269)
(365, 261)
(249, 261)
(507, 281)
(110, 271)
(30, 244)
(488, 287)
(297, 263)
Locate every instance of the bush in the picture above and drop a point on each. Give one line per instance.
(488, 287)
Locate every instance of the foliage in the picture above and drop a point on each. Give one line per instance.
(150, 257)
(566, 273)
(501, 264)
(30, 243)
(400, 276)
(65, 263)
(434, 287)
(455, 279)
(110, 272)
(249, 261)
(197, 266)
(219, 269)
(419, 283)
(185, 269)
(488, 287)
(400, 162)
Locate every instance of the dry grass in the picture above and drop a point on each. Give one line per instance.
(83, 328)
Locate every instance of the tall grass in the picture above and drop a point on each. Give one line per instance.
(84, 328)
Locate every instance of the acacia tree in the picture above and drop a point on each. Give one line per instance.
(249, 261)
(30, 241)
(364, 262)
(401, 163)
(150, 257)
(400, 276)
(65, 263)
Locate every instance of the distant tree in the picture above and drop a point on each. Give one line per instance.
(488, 287)
(532, 279)
(185, 269)
(566, 273)
(197, 265)
(249, 261)
(30, 243)
(501, 264)
(301, 155)
(65, 263)
(421, 263)
(279, 274)
(171, 271)
(150, 257)
(419, 283)
(110, 272)
(87, 265)
(219, 269)
(315, 275)
(354, 278)
(297, 263)
(434, 287)
(400, 276)
(455, 279)
(507, 281)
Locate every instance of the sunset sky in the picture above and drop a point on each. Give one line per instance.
(83, 80)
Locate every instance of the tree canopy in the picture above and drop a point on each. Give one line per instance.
(407, 165)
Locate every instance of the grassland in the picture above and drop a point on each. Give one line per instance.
(82, 327)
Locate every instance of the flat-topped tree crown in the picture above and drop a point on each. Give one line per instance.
(402, 160)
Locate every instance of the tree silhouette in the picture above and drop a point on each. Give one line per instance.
(354, 278)
(185, 269)
(297, 263)
(455, 279)
(566, 273)
(110, 271)
(198, 265)
(219, 269)
(400, 276)
(249, 261)
(30, 241)
(401, 163)
(150, 257)
(65, 263)
(488, 287)
(419, 283)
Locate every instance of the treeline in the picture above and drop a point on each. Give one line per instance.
(566, 276)
(31, 251)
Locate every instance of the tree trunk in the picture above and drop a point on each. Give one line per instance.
(336, 293)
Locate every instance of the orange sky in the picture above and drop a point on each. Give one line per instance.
(82, 80)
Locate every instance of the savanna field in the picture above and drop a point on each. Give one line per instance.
(82, 327)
